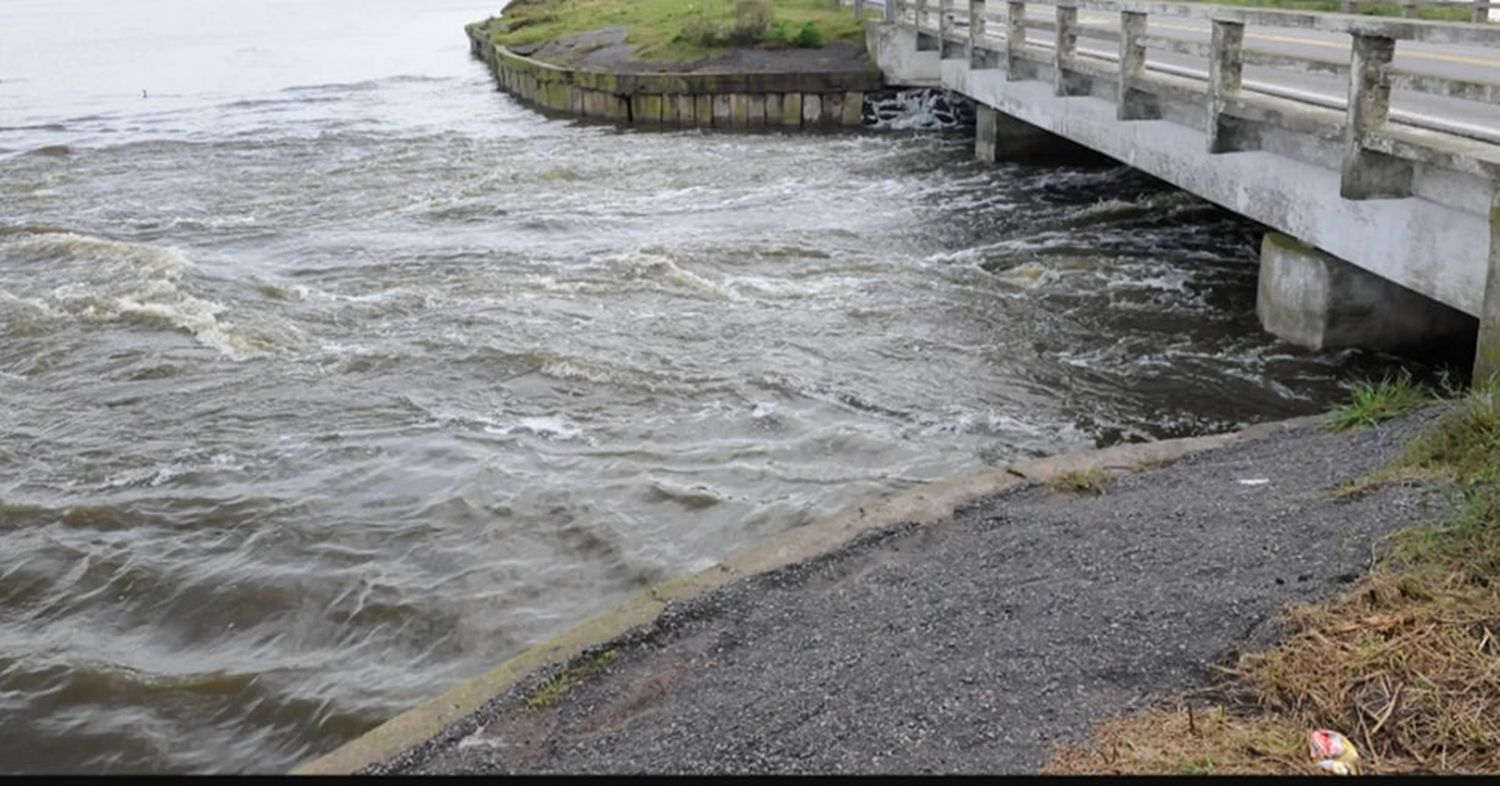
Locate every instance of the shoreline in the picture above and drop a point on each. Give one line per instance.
(922, 506)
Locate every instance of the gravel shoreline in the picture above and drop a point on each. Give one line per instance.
(970, 645)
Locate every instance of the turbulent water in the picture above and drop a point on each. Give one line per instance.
(330, 377)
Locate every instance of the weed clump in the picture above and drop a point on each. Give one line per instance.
(1089, 481)
(1373, 403)
(550, 690)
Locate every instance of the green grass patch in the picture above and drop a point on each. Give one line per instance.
(1464, 445)
(1372, 403)
(551, 690)
(681, 31)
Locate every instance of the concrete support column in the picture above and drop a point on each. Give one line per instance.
(1000, 137)
(926, 42)
(1015, 38)
(1226, 68)
(1319, 302)
(1487, 354)
(950, 48)
(892, 8)
(1368, 174)
(1482, 12)
(1132, 103)
(859, 10)
(1065, 50)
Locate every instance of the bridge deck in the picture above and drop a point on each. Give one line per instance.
(1374, 140)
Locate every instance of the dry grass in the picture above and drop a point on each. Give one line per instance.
(1389, 476)
(1260, 744)
(1407, 664)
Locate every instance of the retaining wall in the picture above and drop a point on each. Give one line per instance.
(735, 100)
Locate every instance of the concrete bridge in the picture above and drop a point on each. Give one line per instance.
(1369, 146)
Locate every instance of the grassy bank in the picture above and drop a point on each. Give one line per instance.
(1436, 14)
(669, 31)
(1406, 664)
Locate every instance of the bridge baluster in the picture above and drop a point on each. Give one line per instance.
(945, 22)
(859, 10)
(1066, 49)
(1132, 103)
(978, 56)
(1226, 69)
(1015, 38)
(921, 14)
(1369, 174)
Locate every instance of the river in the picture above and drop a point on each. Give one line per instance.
(331, 377)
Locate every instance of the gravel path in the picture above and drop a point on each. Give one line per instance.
(969, 646)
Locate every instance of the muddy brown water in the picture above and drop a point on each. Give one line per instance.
(330, 377)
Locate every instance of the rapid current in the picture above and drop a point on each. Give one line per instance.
(331, 377)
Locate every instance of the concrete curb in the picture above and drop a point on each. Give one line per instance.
(925, 505)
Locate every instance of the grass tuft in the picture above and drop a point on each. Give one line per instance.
(1088, 481)
(550, 690)
(1372, 403)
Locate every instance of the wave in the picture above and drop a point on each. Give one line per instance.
(644, 269)
(1153, 206)
(31, 229)
(257, 103)
(38, 127)
(367, 84)
(102, 281)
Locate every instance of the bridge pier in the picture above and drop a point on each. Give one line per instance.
(1000, 137)
(1487, 353)
(1319, 302)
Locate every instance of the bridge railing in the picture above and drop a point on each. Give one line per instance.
(1478, 10)
(1379, 152)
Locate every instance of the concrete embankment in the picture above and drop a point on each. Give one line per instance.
(731, 99)
(963, 626)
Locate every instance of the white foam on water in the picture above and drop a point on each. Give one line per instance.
(656, 265)
(106, 282)
(918, 109)
(552, 427)
(1029, 275)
